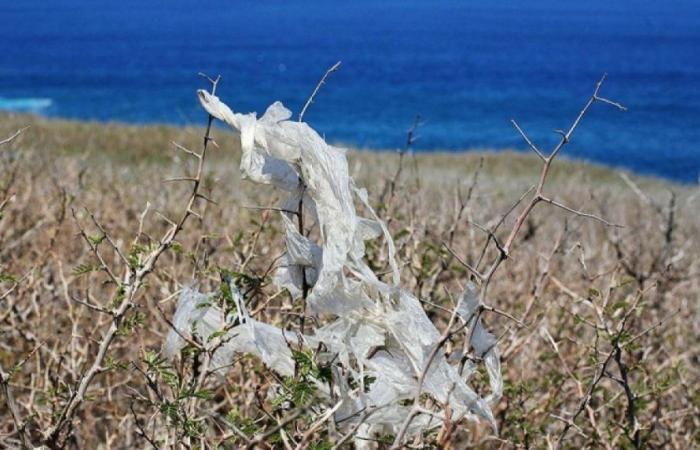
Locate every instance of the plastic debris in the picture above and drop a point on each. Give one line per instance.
(381, 339)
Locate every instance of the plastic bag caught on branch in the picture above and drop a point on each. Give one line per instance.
(198, 317)
(381, 340)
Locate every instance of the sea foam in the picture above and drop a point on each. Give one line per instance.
(27, 104)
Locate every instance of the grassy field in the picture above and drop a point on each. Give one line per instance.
(600, 334)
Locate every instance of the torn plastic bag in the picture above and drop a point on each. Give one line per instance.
(380, 340)
(200, 320)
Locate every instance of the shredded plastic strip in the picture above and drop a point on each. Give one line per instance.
(380, 331)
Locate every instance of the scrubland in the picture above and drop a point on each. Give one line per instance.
(598, 325)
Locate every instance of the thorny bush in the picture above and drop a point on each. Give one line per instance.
(303, 324)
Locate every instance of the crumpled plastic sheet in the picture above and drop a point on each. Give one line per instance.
(482, 341)
(198, 316)
(380, 331)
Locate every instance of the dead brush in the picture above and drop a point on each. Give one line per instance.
(589, 336)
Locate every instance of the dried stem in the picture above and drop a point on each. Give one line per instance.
(300, 208)
(13, 137)
(321, 82)
(20, 425)
(133, 280)
(538, 195)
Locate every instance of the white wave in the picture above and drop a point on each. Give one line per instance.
(27, 104)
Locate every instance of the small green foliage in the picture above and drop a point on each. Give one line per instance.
(137, 251)
(134, 256)
(225, 293)
(306, 366)
(299, 392)
(301, 389)
(130, 323)
(666, 379)
(177, 248)
(189, 350)
(368, 380)
(96, 240)
(112, 364)
(401, 234)
(321, 445)
(7, 277)
(247, 282)
(237, 239)
(202, 394)
(386, 439)
(14, 370)
(304, 361)
(174, 408)
(119, 297)
(159, 366)
(245, 424)
(215, 335)
(170, 410)
(83, 269)
(614, 307)
(61, 392)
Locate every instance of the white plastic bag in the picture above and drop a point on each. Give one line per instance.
(381, 339)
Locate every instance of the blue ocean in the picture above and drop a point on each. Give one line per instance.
(467, 67)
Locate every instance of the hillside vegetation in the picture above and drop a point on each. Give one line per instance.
(598, 325)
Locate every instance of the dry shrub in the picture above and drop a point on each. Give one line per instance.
(597, 325)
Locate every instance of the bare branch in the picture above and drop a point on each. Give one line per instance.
(92, 307)
(20, 425)
(283, 423)
(12, 138)
(174, 179)
(566, 137)
(473, 270)
(108, 237)
(316, 425)
(610, 102)
(186, 150)
(134, 278)
(93, 246)
(527, 139)
(579, 213)
(311, 98)
(271, 208)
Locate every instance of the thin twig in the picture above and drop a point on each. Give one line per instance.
(300, 208)
(12, 138)
(527, 139)
(20, 425)
(579, 213)
(133, 280)
(311, 98)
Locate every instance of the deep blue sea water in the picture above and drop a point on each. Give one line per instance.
(466, 67)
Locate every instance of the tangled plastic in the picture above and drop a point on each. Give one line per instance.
(380, 332)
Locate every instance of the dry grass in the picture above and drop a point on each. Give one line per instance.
(567, 279)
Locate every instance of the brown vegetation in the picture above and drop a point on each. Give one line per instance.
(598, 325)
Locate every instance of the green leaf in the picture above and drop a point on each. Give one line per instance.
(96, 240)
(7, 277)
(83, 269)
(244, 424)
(119, 297)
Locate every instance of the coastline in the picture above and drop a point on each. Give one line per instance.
(152, 143)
